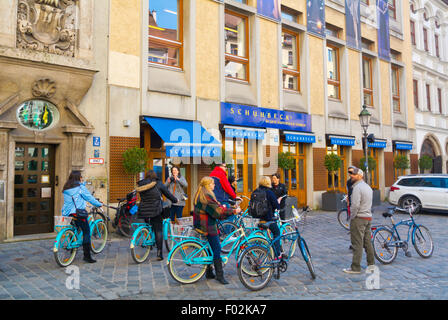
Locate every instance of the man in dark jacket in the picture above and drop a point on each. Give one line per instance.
(150, 208)
(223, 190)
(279, 190)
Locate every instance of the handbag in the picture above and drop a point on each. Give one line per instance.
(80, 213)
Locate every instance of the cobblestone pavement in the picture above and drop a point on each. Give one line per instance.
(29, 271)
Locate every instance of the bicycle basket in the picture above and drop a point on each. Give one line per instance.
(187, 221)
(61, 222)
(250, 222)
(182, 230)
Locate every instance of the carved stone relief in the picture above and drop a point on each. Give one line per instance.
(44, 88)
(48, 26)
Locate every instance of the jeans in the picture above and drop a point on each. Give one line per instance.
(216, 246)
(176, 211)
(83, 224)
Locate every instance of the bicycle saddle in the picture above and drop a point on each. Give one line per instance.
(389, 213)
(265, 225)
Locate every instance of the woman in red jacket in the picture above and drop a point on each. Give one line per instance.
(223, 190)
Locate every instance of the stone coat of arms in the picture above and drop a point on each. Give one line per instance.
(47, 26)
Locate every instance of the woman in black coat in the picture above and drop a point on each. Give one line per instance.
(150, 208)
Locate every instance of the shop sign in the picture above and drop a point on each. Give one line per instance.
(241, 115)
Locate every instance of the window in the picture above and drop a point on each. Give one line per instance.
(290, 60)
(413, 8)
(439, 98)
(433, 183)
(334, 85)
(236, 46)
(165, 32)
(415, 90)
(412, 182)
(396, 88)
(367, 44)
(436, 42)
(367, 81)
(290, 14)
(392, 9)
(413, 33)
(425, 39)
(366, 2)
(428, 97)
(332, 30)
(37, 115)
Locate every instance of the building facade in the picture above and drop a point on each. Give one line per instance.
(261, 82)
(52, 103)
(195, 82)
(429, 38)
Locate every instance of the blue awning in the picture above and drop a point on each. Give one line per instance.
(243, 132)
(381, 144)
(403, 145)
(291, 136)
(342, 140)
(184, 138)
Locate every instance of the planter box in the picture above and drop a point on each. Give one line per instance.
(332, 201)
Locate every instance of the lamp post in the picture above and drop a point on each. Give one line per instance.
(364, 119)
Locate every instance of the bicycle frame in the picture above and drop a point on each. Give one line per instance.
(204, 245)
(412, 226)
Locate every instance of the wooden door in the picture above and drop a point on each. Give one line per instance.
(33, 189)
(295, 179)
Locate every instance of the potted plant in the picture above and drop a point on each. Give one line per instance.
(286, 161)
(401, 162)
(331, 200)
(425, 163)
(376, 201)
(134, 161)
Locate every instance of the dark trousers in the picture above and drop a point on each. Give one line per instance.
(156, 224)
(176, 212)
(83, 224)
(275, 232)
(216, 246)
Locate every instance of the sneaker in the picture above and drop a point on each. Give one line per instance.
(349, 270)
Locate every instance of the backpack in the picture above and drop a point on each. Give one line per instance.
(259, 204)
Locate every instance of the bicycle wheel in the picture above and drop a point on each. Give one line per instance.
(225, 228)
(384, 246)
(307, 257)
(255, 267)
(180, 266)
(139, 248)
(289, 242)
(344, 219)
(98, 237)
(124, 225)
(423, 244)
(169, 242)
(64, 253)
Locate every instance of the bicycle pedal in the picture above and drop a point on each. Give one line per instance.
(408, 254)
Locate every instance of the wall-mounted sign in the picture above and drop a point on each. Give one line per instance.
(96, 160)
(241, 115)
(96, 153)
(46, 192)
(96, 141)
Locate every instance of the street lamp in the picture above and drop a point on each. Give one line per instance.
(364, 119)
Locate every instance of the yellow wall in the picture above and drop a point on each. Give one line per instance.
(125, 26)
(269, 64)
(207, 49)
(355, 83)
(124, 43)
(317, 82)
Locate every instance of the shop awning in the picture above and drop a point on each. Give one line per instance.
(184, 138)
(379, 143)
(291, 136)
(244, 132)
(342, 140)
(403, 145)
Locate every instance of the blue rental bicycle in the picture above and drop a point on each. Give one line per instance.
(69, 237)
(386, 240)
(188, 260)
(257, 263)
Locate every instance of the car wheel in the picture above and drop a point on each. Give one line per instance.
(408, 201)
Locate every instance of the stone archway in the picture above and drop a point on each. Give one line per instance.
(431, 148)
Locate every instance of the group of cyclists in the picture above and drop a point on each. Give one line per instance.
(213, 200)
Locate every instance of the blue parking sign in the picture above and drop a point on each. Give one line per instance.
(96, 141)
